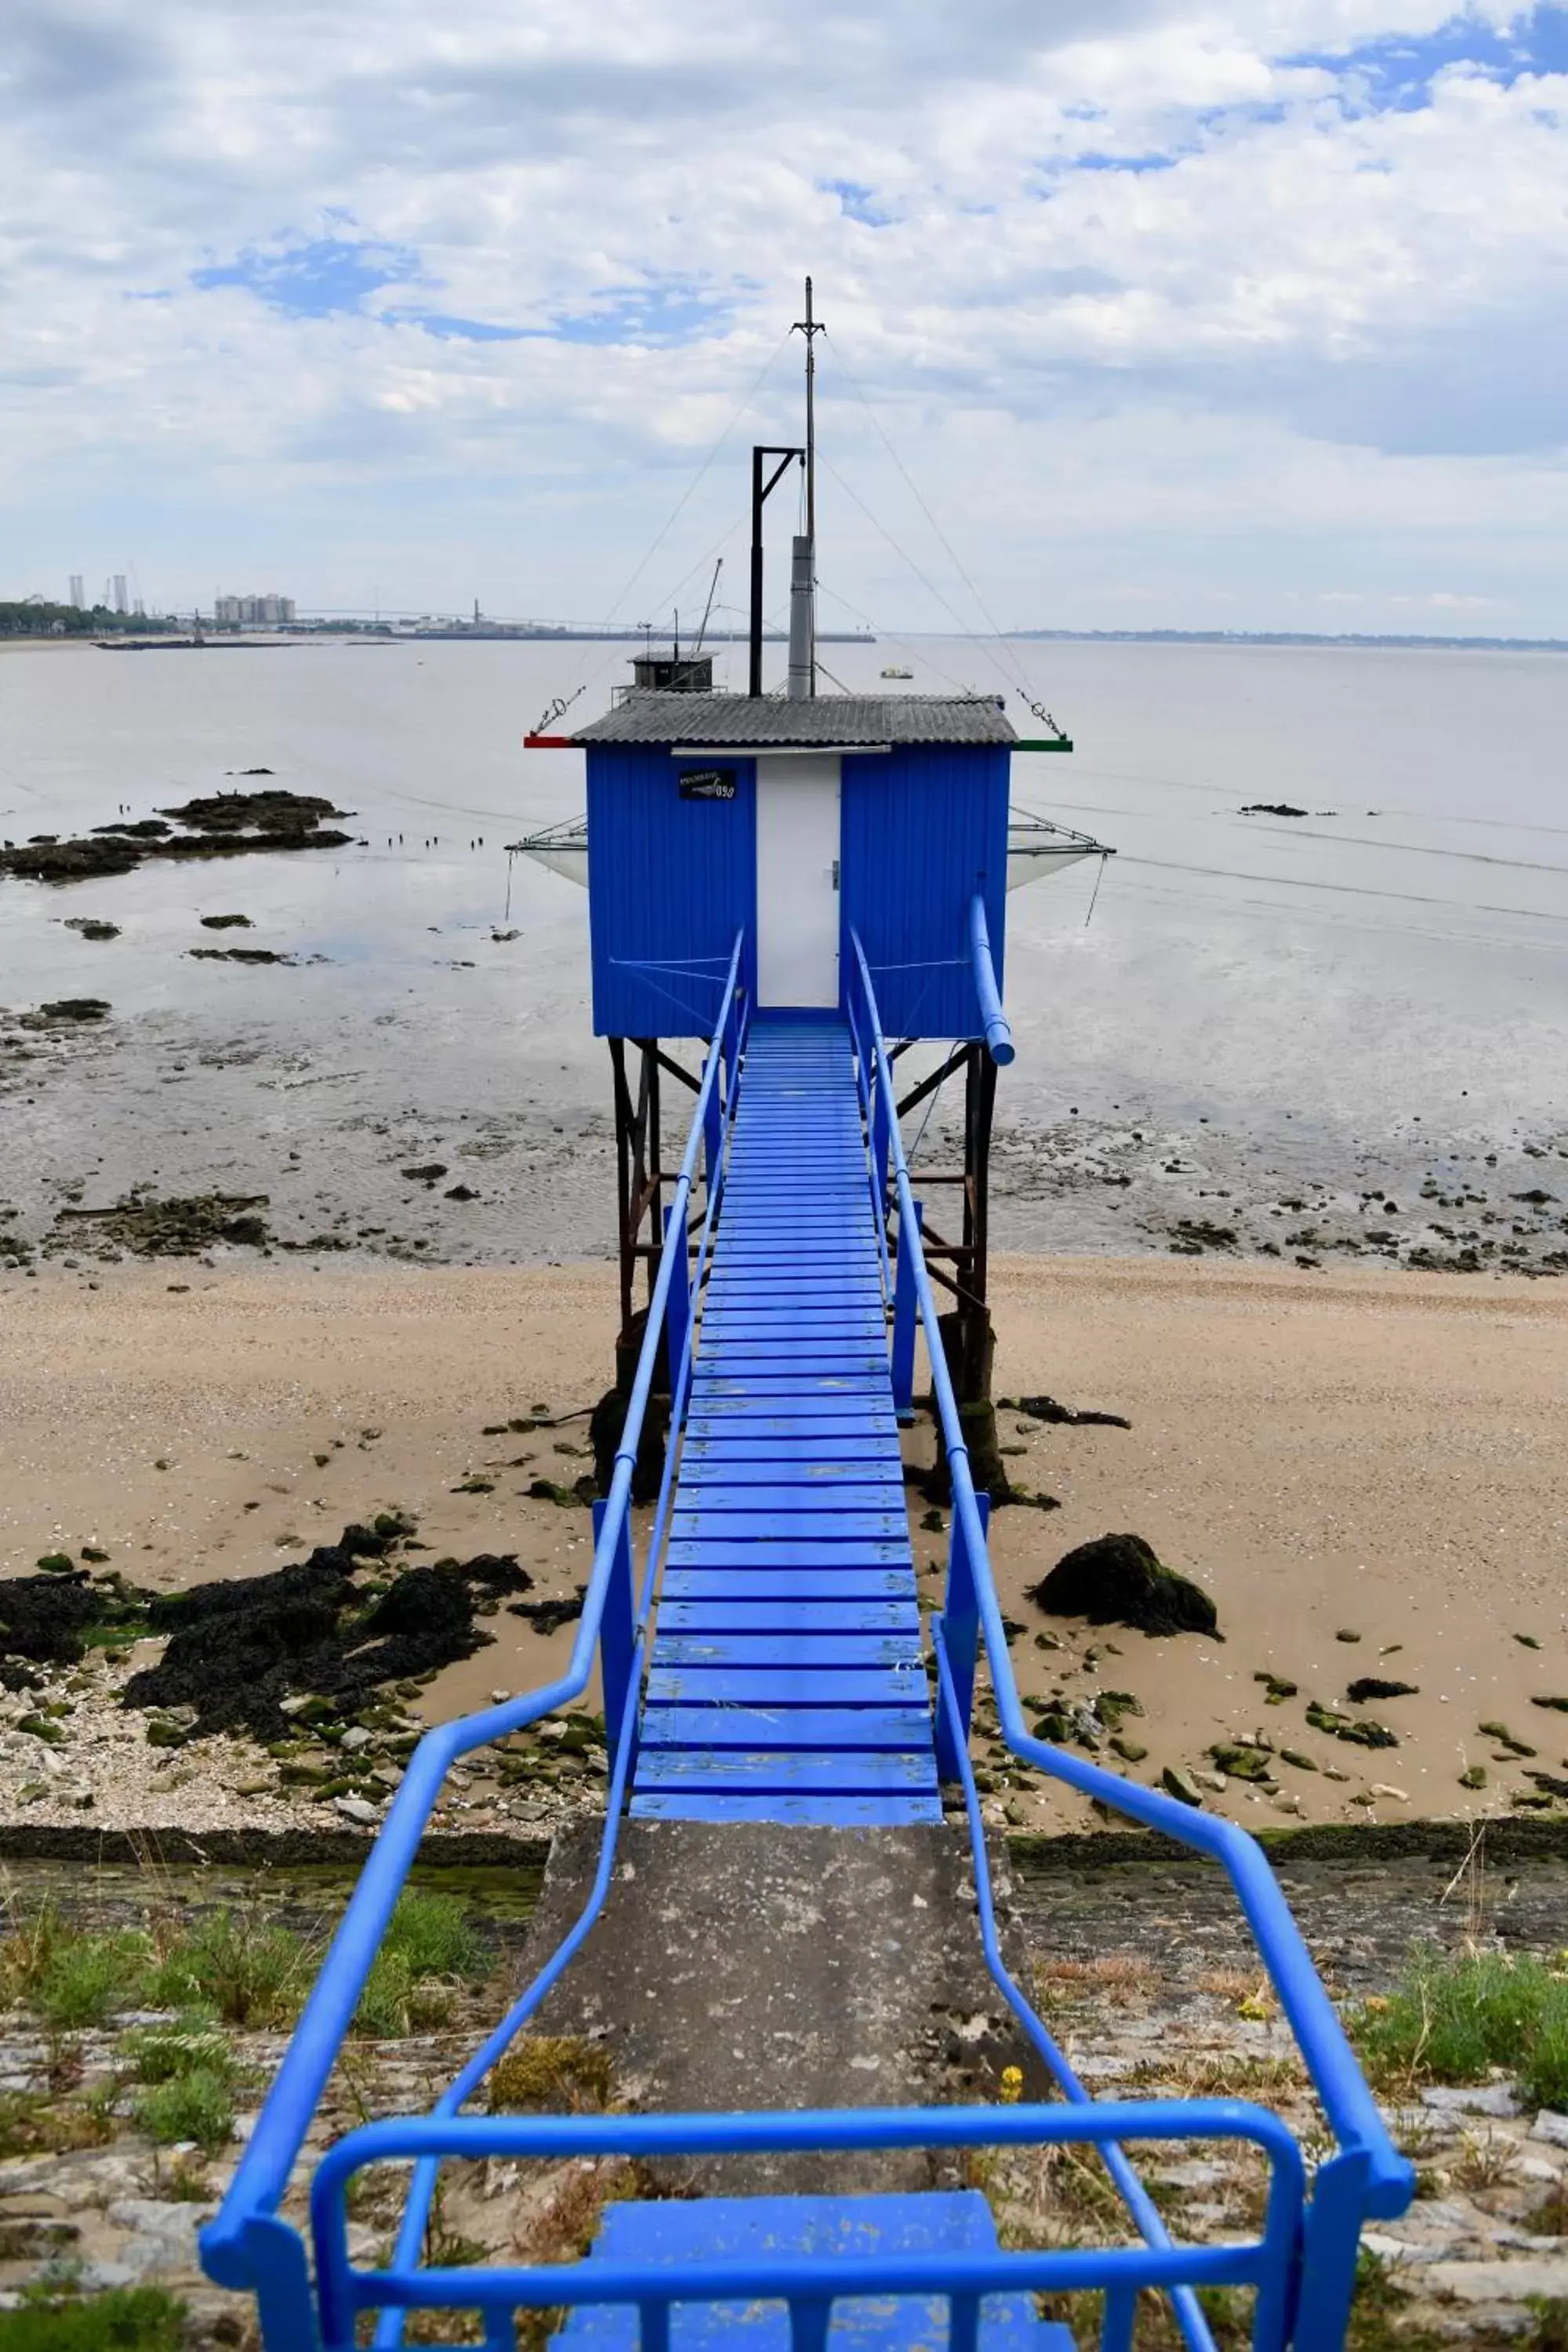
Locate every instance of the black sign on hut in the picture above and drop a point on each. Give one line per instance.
(708, 784)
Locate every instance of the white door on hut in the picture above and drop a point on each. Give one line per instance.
(797, 880)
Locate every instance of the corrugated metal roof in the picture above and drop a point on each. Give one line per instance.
(737, 721)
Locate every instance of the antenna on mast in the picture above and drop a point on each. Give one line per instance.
(708, 608)
(803, 597)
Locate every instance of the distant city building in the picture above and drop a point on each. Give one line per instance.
(121, 598)
(78, 593)
(253, 612)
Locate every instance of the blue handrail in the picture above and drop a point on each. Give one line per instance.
(999, 1035)
(1301, 2268)
(712, 1121)
(244, 2246)
(1121, 2272)
(1368, 2161)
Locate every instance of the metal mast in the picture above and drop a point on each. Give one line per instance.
(811, 327)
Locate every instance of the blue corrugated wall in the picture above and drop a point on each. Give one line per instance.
(669, 883)
(923, 828)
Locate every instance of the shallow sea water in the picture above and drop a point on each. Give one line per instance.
(1317, 1008)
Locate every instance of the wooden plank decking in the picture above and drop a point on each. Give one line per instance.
(786, 1682)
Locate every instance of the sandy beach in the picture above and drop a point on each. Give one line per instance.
(1367, 1454)
(1362, 1454)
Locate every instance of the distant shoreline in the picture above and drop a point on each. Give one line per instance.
(1347, 642)
(1303, 638)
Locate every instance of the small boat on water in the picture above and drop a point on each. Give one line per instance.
(892, 671)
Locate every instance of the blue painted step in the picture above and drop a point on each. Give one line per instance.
(738, 1611)
(786, 1682)
(679, 2231)
(734, 1539)
(782, 1730)
(789, 1683)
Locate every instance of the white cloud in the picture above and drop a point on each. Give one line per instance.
(1245, 306)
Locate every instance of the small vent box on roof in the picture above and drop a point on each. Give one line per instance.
(672, 674)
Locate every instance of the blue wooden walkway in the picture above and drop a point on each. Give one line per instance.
(735, 2228)
(785, 1685)
(786, 1682)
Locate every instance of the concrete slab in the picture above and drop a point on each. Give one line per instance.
(743, 1967)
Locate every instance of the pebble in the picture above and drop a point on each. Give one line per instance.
(1545, 2279)
(165, 2232)
(356, 1809)
(1472, 2099)
(1387, 2250)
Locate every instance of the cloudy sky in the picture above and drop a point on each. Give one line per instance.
(1244, 314)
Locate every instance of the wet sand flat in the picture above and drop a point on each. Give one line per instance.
(1376, 1454)
(1335, 1037)
(1357, 1452)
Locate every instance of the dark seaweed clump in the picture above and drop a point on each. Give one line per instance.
(240, 955)
(262, 811)
(213, 824)
(1119, 1580)
(1045, 1408)
(239, 1649)
(549, 1616)
(179, 1226)
(48, 1620)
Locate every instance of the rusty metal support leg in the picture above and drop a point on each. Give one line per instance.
(654, 1173)
(972, 1371)
(624, 1121)
(639, 1185)
(639, 1179)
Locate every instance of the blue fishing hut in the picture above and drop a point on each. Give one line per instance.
(810, 885)
(802, 825)
(816, 829)
(797, 824)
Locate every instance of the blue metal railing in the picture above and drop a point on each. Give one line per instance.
(808, 2286)
(993, 1019)
(247, 2246)
(1300, 2266)
(1366, 2177)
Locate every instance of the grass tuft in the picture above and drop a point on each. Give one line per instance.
(434, 1935)
(125, 2319)
(395, 2002)
(428, 1950)
(87, 1978)
(197, 2105)
(70, 1977)
(32, 2123)
(246, 1968)
(1454, 2017)
(193, 2040)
